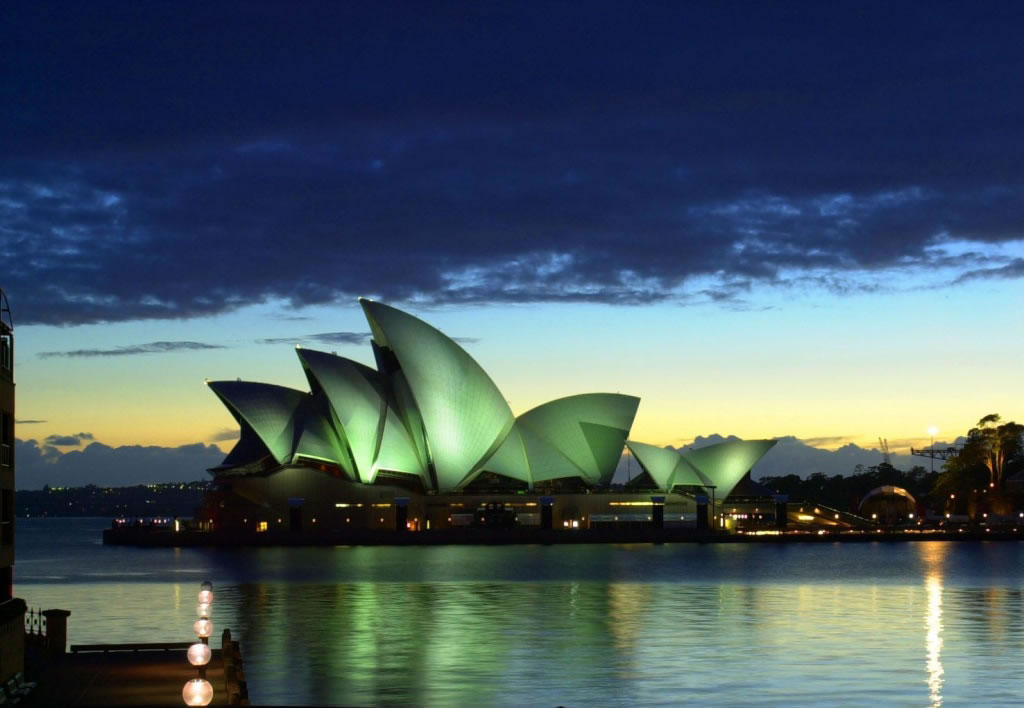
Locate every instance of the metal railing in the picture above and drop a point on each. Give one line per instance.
(35, 622)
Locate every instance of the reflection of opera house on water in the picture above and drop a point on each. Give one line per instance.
(427, 441)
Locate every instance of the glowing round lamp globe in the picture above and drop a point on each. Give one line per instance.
(203, 610)
(205, 597)
(206, 585)
(203, 628)
(197, 692)
(199, 654)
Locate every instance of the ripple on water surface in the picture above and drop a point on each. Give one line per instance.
(910, 623)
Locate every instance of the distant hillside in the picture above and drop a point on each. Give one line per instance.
(38, 464)
(178, 499)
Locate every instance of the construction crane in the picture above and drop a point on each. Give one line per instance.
(937, 453)
(884, 444)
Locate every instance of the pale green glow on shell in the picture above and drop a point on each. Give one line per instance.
(721, 465)
(588, 429)
(724, 464)
(355, 396)
(545, 460)
(318, 439)
(465, 416)
(660, 463)
(510, 459)
(268, 409)
(404, 407)
(431, 411)
(397, 452)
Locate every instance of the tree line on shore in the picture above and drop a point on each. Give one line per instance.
(973, 481)
(142, 500)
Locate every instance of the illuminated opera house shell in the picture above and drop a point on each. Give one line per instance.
(428, 413)
(717, 467)
(429, 416)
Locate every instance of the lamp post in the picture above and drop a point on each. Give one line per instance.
(932, 430)
(199, 691)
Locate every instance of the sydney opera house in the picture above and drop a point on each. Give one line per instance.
(426, 440)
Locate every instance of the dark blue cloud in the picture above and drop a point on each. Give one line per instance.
(353, 338)
(1013, 269)
(63, 440)
(174, 161)
(347, 338)
(68, 440)
(132, 350)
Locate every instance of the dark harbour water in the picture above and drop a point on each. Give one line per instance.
(913, 624)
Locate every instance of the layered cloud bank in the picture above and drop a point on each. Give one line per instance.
(736, 151)
(40, 464)
(43, 463)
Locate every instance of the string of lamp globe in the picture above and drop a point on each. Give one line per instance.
(199, 691)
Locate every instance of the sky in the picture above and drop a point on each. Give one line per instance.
(802, 219)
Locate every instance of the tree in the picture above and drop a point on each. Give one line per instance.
(993, 445)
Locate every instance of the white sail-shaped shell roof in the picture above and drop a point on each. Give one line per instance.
(664, 465)
(317, 436)
(397, 451)
(429, 411)
(357, 402)
(588, 430)
(465, 416)
(268, 409)
(720, 466)
(510, 459)
(725, 463)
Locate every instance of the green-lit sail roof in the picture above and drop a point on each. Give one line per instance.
(317, 436)
(720, 466)
(249, 448)
(397, 451)
(429, 411)
(465, 416)
(725, 463)
(588, 430)
(357, 403)
(268, 409)
(510, 459)
(659, 462)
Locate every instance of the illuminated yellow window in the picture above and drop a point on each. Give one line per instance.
(261, 526)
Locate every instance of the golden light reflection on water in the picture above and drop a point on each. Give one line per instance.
(625, 602)
(933, 640)
(933, 555)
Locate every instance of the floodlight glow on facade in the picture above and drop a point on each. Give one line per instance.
(428, 412)
(717, 467)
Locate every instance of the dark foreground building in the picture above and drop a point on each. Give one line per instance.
(12, 609)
